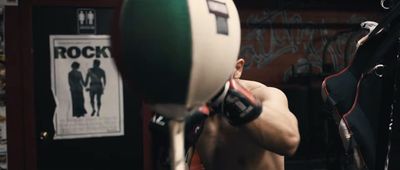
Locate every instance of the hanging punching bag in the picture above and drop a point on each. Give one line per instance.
(178, 52)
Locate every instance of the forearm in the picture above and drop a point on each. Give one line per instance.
(274, 130)
(208, 141)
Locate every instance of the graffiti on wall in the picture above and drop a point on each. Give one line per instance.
(309, 44)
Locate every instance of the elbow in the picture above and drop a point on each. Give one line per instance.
(291, 145)
(292, 140)
(286, 145)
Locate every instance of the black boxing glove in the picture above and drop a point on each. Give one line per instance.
(193, 125)
(159, 129)
(160, 141)
(238, 105)
(216, 104)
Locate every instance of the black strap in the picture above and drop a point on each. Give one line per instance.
(386, 44)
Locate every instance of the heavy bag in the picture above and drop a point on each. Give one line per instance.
(179, 52)
(360, 98)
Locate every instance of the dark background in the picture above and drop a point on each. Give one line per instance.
(289, 44)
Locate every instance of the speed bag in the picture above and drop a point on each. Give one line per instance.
(179, 53)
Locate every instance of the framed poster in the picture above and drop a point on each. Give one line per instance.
(87, 87)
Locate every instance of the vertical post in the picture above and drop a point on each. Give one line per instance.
(177, 155)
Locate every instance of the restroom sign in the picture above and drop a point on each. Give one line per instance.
(86, 20)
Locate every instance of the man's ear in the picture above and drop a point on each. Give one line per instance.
(239, 68)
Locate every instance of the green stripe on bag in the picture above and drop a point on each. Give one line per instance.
(157, 33)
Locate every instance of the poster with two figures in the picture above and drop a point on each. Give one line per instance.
(87, 87)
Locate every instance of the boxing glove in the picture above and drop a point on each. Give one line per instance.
(159, 129)
(236, 103)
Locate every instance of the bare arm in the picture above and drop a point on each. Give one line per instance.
(104, 78)
(276, 128)
(87, 78)
(70, 79)
(208, 141)
(81, 80)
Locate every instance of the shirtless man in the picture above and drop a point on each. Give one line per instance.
(257, 140)
(260, 142)
(97, 78)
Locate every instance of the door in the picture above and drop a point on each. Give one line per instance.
(112, 152)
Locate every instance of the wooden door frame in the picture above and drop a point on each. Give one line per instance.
(21, 116)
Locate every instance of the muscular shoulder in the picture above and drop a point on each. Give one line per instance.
(251, 85)
(263, 92)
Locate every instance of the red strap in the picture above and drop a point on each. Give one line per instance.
(204, 109)
(196, 164)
